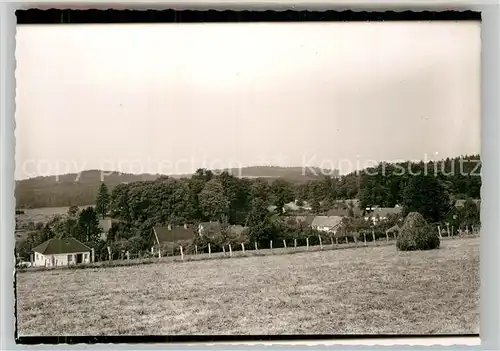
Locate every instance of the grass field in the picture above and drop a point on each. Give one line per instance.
(369, 290)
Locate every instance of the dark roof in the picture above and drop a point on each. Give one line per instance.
(61, 246)
(175, 233)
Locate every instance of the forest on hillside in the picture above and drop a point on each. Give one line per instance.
(81, 189)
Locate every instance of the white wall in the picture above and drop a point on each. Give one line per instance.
(59, 260)
(326, 229)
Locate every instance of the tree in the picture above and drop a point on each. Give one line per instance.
(214, 204)
(315, 206)
(469, 214)
(426, 195)
(73, 211)
(59, 228)
(282, 193)
(260, 189)
(102, 200)
(88, 225)
(119, 202)
(258, 212)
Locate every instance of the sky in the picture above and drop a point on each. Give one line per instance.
(170, 98)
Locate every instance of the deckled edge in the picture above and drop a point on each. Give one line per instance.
(219, 8)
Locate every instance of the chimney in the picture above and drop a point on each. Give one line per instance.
(185, 226)
(169, 227)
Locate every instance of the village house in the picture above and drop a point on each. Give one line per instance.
(61, 252)
(171, 234)
(328, 224)
(378, 214)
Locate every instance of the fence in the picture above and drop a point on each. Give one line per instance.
(279, 247)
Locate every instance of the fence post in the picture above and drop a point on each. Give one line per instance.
(355, 239)
(92, 257)
(452, 230)
(230, 251)
(243, 248)
(364, 237)
(209, 251)
(256, 247)
(346, 240)
(373, 235)
(271, 245)
(447, 229)
(439, 231)
(284, 243)
(196, 249)
(387, 237)
(336, 240)
(109, 253)
(159, 252)
(152, 250)
(320, 243)
(307, 243)
(224, 250)
(128, 256)
(331, 241)
(295, 244)
(182, 253)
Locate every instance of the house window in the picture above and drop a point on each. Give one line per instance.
(36, 256)
(70, 258)
(85, 256)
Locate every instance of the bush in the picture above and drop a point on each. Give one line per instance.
(417, 234)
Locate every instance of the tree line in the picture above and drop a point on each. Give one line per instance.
(138, 206)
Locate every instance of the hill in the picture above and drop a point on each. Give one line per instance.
(81, 189)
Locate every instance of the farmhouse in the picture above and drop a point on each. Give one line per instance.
(326, 223)
(382, 213)
(171, 234)
(61, 252)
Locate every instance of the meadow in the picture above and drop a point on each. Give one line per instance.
(365, 290)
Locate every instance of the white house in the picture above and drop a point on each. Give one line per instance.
(379, 214)
(61, 252)
(326, 223)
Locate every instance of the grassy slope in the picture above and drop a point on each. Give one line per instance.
(365, 290)
(74, 189)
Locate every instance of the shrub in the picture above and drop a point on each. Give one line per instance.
(417, 234)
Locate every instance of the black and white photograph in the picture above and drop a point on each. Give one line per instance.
(257, 178)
